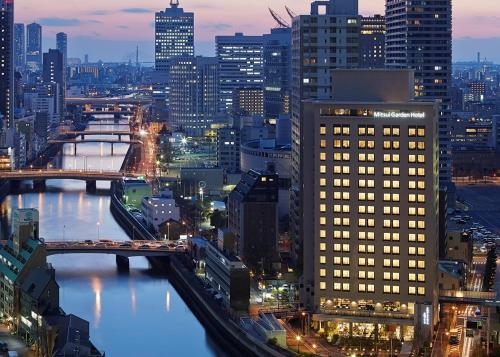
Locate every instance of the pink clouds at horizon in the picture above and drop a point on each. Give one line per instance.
(132, 19)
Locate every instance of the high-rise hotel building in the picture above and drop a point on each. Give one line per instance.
(419, 36)
(323, 40)
(369, 163)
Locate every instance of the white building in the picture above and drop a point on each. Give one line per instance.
(370, 208)
(160, 209)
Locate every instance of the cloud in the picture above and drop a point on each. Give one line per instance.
(59, 22)
(137, 10)
(99, 13)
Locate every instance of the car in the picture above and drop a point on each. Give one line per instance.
(3, 346)
(454, 340)
(144, 246)
(88, 241)
(125, 245)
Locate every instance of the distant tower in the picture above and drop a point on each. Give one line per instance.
(479, 57)
(174, 35)
(137, 56)
(34, 47)
(62, 46)
(7, 64)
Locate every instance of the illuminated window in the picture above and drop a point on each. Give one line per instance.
(322, 143)
(322, 182)
(322, 247)
(322, 169)
(322, 273)
(361, 287)
(322, 129)
(322, 259)
(322, 285)
(322, 195)
(421, 290)
(322, 156)
(412, 290)
(387, 289)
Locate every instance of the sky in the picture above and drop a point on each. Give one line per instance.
(111, 29)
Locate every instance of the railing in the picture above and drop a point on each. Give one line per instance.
(367, 313)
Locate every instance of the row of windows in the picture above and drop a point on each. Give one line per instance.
(370, 288)
(369, 130)
(388, 236)
(363, 183)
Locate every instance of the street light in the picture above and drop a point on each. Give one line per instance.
(298, 343)
(168, 230)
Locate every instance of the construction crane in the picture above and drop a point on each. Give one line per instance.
(290, 12)
(281, 22)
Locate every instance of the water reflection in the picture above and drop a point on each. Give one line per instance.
(128, 314)
(96, 287)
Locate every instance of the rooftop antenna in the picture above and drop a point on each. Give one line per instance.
(282, 23)
(174, 3)
(290, 12)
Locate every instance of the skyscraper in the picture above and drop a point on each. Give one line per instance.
(174, 35)
(62, 46)
(53, 73)
(19, 47)
(277, 72)
(419, 37)
(326, 39)
(34, 47)
(241, 66)
(372, 42)
(7, 63)
(369, 161)
(193, 93)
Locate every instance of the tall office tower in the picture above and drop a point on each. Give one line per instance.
(174, 35)
(419, 37)
(370, 168)
(372, 42)
(53, 73)
(241, 66)
(62, 46)
(326, 39)
(277, 72)
(193, 93)
(34, 47)
(7, 64)
(19, 47)
(248, 102)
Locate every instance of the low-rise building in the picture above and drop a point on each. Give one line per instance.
(228, 275)
(452, 275)
(160, 209)
(460, 247)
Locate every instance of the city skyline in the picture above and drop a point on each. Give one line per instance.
(95, 28)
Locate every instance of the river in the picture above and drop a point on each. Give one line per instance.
(136, 314)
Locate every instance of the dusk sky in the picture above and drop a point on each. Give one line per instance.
(110, 29)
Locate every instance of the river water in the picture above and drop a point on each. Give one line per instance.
(137, 314)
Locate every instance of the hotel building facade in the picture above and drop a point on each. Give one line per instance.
(370, 212)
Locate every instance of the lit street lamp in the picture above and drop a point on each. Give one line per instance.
(298, 343)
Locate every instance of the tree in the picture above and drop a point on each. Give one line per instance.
(218, 219)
